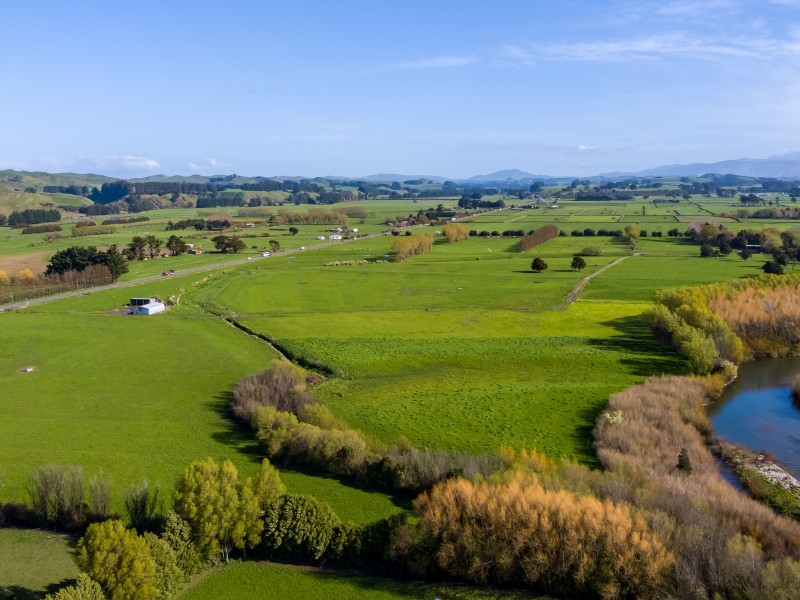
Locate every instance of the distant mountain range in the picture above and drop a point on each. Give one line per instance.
(785, 166)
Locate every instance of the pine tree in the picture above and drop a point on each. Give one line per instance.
(684, 464)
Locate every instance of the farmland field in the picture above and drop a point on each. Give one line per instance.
(33, 562)
(246, 581)
(462, 348)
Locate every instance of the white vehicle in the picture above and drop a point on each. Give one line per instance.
(302, 247)
(265, 254)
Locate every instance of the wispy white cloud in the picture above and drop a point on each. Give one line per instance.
(695, 8)
(126, 162)
(208, 164)
(654, 47)
(114, 164)
(433, 62)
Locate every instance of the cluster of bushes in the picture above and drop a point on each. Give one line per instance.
(40, 229)
(724, 542)
(455, 232)
(591, 251)
(506, 233)
(125, 220)
(538, 236)
(119, 563)
(517, 533)
(589, 232)
(33, 216)
(730, 321)
(292, 429)
(406, 247)
(93, 230)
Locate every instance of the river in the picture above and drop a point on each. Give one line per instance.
(757, 411)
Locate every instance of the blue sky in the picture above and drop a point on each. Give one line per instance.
(359, 87)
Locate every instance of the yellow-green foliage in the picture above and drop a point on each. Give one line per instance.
(119, 560)
(222, 512)
(519, 533)
(405, 247)
(455, 232)
(747, 318)
(84, 589)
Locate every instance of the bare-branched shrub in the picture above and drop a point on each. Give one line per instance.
(144, 507)
(99, 497)
(698, 515)
(282, 386)
(57, 495)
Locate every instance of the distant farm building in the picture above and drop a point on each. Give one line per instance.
(146, 306)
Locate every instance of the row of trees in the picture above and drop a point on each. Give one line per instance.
(33, 216)
(78, 258)
(538, 236)
(406, 247)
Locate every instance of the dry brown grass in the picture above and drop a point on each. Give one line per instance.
(699, 515)
(35, 261)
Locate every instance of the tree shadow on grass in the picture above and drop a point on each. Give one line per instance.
(644, 357)
(238, 436)
(234, 433)
(376, 583)
(583, 436)
(18, 592)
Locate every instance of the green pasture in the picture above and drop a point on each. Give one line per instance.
(450, 351)
(254, 581)
(137, 399)
(34, 562)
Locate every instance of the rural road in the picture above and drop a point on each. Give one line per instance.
(124, 284)
(231, 263)
(572, 296)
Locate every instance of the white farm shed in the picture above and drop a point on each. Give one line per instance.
(146, 306)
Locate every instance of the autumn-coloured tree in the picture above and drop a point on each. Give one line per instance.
(455, 232)
(26, 277)
(4, 278)
(405, 247)
(538, 236)
(518, 533)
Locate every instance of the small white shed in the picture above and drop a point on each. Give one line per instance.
(146, 306)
